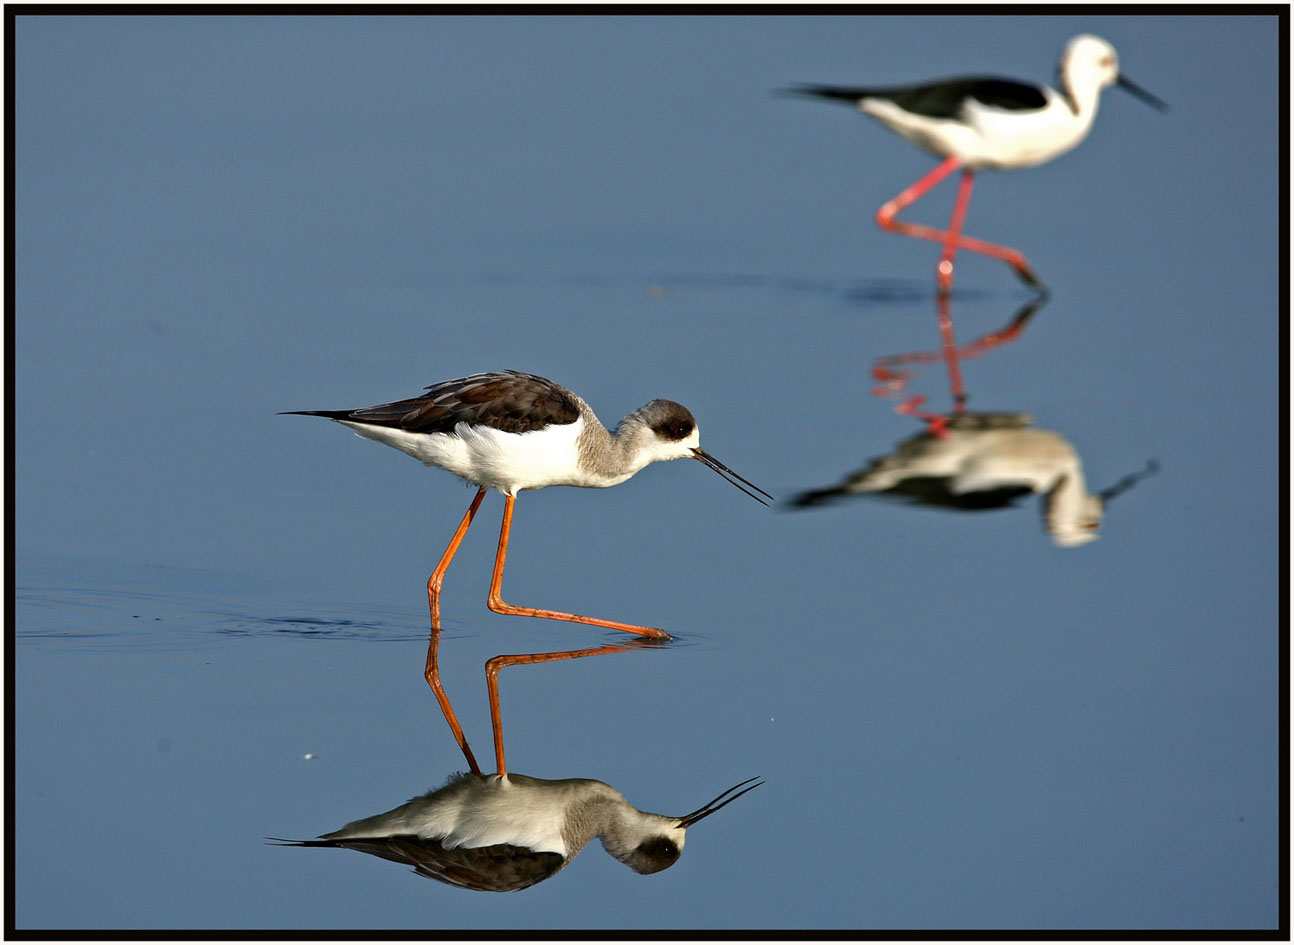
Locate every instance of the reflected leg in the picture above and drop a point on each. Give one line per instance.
(950, 353)
(493, 666)
(1006, 335)
(432, 671)
(497, 604)
(936, 423)
(433, 680)
(893, 380)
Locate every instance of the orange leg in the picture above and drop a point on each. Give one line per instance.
(433, 680)
(493, 666)
(952, 239)
(433, 599)
(438, 576)
(497, 604)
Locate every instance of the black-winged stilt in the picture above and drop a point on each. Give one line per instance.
(987, 122)
(510, 431)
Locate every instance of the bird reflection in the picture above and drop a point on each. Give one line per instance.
(988, 461)
(498, 833)
(506, 831)
(978, 460)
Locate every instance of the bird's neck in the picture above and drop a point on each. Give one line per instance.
(612, 456)
(602, 816)
(1082, 98)
(1068, 506)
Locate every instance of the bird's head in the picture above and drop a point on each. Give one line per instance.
(649, 843)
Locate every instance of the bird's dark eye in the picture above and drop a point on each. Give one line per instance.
(674, 429)
(660, 848)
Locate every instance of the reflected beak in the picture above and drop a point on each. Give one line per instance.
(728, 474)
(705, 811)
(1128, 481)
(1126, 83)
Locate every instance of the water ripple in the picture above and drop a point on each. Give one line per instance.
(87, 617)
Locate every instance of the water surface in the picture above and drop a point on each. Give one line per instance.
(220, 612)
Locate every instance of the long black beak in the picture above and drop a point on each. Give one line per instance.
(729, 475)
(1128, 481)
(714, 805)
(1126, 83)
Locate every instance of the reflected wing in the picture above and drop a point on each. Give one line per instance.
(499, 868)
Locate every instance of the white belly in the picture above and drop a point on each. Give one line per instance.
(508, 462)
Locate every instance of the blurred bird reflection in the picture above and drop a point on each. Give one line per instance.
(507, 831)
(969, 461)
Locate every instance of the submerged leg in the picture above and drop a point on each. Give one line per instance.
(951, 238)
(497, 604)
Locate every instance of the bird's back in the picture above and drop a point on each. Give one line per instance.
(503, 430)
(508, 401)
(940, 99)
(985, 121)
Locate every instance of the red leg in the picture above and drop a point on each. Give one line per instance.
(497, 605)
(893, 380)
(432, 671)
(1003, 336)
(950, 352)
(886, 219)
(936, 423)
(944, 271)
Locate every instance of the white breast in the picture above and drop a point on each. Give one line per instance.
(1009, 139)
(984, 136)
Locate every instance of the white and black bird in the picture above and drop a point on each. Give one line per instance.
(509, 431)
(502, 833)
(983, 461)
(976, 122)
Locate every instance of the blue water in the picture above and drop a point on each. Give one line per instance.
(220, 612)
